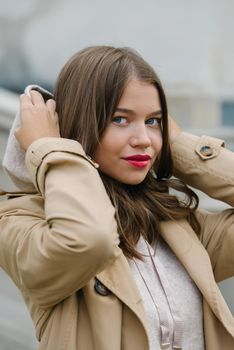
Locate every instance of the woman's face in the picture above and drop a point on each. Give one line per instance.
(133, 139)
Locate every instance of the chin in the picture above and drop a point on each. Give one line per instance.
(132, 182)
(128, 179)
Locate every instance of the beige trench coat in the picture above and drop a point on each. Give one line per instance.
(60, 247)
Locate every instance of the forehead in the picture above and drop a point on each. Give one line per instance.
(138, 94)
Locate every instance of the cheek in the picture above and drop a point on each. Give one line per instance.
(111, 144)
(104, 150)
(107, 147)
(157, 142)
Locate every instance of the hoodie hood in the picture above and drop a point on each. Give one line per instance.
(14, 157)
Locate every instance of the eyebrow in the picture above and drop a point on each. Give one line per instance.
(126, 110)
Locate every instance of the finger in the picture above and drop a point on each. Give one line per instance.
(36, 98)
(16, 133)
(57, 119)
(51, 105)
(57, 122)
(25, 100)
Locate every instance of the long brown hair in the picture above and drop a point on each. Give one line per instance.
(87, 93)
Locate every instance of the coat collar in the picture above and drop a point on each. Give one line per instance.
(118, 279)
(189, 250)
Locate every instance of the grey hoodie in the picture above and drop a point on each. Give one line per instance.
(14, 157)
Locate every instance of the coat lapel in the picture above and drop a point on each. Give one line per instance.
(118, 279)
(189, 250)
(192, 254)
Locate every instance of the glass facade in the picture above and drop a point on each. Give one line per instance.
(228, 113)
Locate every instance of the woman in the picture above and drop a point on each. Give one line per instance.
(105, 256)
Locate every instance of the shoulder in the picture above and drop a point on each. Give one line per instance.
(214, 224)
(217, 236)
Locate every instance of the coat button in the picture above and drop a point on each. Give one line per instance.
(206, 151)
(100, 288)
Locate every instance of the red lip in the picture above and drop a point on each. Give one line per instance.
(138, 157)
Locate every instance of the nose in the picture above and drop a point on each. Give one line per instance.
(140, 137)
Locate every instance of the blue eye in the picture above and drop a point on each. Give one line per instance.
(119, 120)
(154, 121)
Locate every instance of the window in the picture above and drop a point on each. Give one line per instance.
(228, 113)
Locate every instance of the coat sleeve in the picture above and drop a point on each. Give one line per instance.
(203, 163)
(50, 258)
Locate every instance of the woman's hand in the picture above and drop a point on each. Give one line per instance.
(38, 119)
(174, 129)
